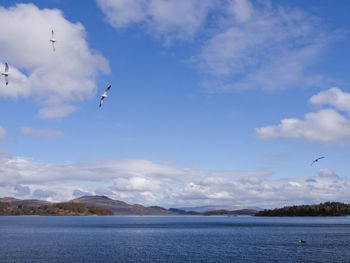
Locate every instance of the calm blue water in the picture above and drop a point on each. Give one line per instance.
(173, 239)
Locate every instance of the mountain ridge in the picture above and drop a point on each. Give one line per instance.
(122, 208)
(206, 208)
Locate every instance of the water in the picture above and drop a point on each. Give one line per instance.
(174, 239)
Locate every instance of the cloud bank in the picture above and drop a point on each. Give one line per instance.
(149, 183)
(56, 81)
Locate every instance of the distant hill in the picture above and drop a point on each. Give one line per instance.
(235, 212)
(121, 208)
(323, 209)
(183, 212)
(57, 209)
(202, 209)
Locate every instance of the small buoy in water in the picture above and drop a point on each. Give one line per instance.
(302, 241)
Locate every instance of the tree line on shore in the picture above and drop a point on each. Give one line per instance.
(68, 209)
(72, 208)
(323, 209)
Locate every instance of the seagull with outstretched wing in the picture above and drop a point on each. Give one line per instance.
(316, 160)
(6, 73)
(53, 40)
(104, 95)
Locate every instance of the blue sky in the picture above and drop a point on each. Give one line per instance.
(227, 103)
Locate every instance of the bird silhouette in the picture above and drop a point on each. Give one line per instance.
(53, 40)
(104, 95)
(6, 73)
(316, 160)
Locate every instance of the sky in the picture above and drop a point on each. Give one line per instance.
(215, 102)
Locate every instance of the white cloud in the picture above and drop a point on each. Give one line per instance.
(325, 172)
(55, 80)
(170, 20)
(261, 46)
(136, 184)
(325, 126)
(48, 133)
(241, 9)
(148, 183)
(334, 97)
(122, 13)
(242, 45)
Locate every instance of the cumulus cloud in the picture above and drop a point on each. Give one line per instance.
(334, 97)
(148, 183)
(260, 46)
(47, 133)
(325, 172)
(169, 20)
(136, 184)
(38, 72)
(325, 126)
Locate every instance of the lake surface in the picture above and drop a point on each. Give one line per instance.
(174, 239)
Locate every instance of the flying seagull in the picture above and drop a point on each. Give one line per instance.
(53, 40)
(104, 95)
(6, 73)
(316, 160)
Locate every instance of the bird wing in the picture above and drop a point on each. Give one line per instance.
(6, 80)
(108, 89)
(101, 101)
(6, 67)
(52, 33)
(316, 160)
(53, 46)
